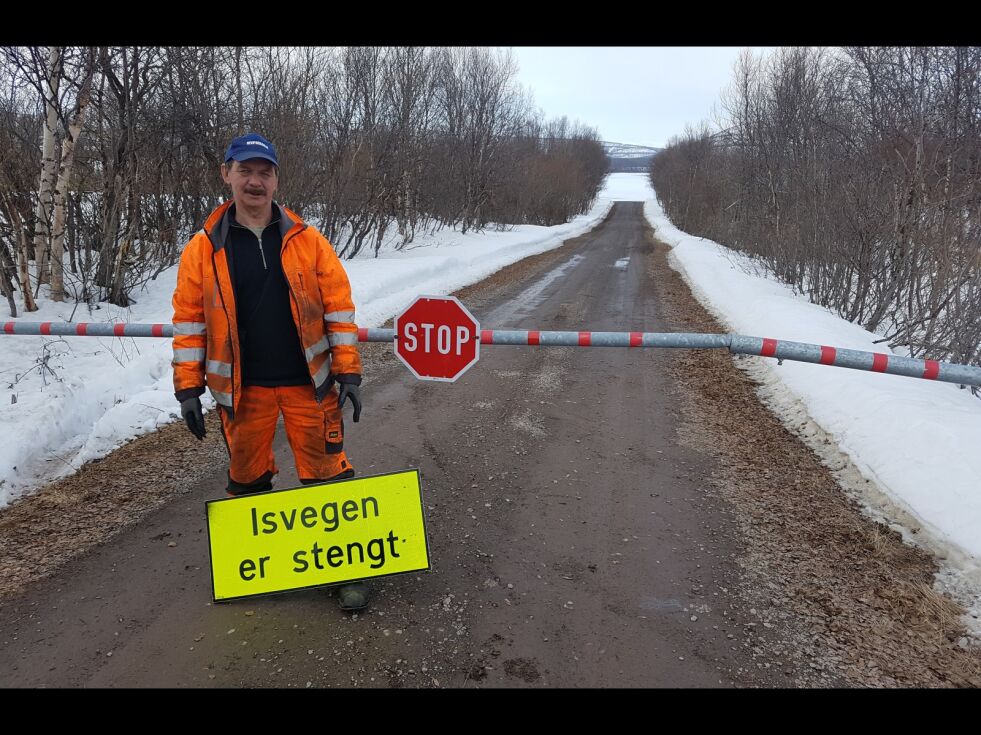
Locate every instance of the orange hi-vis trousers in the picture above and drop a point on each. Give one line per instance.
(314, 430)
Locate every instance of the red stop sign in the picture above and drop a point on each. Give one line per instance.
(437, 338)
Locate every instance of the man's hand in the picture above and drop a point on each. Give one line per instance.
(349, 390)
(191, 411)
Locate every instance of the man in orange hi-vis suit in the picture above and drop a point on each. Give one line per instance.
(263, 318)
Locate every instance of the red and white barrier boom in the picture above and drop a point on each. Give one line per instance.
(438, 348)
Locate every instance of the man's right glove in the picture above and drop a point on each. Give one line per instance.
(191, 411)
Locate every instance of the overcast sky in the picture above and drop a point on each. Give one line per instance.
(631, 94)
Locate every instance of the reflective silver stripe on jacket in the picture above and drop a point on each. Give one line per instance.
(224, 369)
(322, 346)
(321, 375)
(189, 328)
(189, 354)
(223, 399)
(339, 316)
(342, 338)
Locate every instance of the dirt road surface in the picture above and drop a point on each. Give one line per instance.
(597, 517)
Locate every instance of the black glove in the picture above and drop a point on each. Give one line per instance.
(350, 390)
(191, 411)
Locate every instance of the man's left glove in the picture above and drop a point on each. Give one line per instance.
(350, 390)
(191, 411)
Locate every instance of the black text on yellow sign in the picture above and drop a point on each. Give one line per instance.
(316, 535)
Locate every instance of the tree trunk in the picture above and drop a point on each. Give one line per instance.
(61, 190)
(239, 98)
(117, 293)
(7, 270)
(17, 223)
(45, 203)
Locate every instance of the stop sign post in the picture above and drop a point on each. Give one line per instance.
(437, 338)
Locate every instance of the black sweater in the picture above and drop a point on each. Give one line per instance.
(271, 350)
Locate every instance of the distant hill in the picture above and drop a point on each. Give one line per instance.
(626, 157)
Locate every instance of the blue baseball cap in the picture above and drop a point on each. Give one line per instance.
(251, 145)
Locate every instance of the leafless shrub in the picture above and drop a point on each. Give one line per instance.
(853, 174)
(371, 141)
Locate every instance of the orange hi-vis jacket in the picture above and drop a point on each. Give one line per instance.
(206, 344)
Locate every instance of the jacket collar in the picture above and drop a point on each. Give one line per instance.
(218, 222)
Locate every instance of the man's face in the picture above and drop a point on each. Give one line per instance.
(253, 182)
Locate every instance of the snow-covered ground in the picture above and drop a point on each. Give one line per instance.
(909, 449)
(67, 401)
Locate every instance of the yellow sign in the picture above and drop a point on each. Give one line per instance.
(317, 534)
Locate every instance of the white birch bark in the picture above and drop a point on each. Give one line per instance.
(45, 203)
(61, 188)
